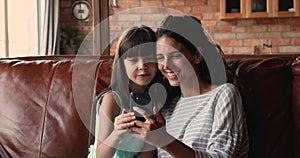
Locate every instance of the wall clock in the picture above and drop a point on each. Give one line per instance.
(81, 10)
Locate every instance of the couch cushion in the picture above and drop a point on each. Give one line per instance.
(45, 107)
(266, 89)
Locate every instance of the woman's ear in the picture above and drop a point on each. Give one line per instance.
(197, 58)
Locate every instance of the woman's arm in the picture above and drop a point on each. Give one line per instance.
(179, 149)
(153, 132)
(147, 154)
(148, 151)
(228, 137)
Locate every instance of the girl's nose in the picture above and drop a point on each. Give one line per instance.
(142, 64)
(143, 67)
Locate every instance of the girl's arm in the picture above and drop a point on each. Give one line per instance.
(112, 127)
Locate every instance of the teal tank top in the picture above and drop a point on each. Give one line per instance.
(128, 147)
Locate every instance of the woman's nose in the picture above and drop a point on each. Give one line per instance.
(165, 63)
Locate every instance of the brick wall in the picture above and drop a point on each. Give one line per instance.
(85, 27)
(66, 18)
(242, 36)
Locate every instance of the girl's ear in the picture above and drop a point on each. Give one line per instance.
(197, 58)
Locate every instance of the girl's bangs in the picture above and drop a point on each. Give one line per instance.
(141, 50)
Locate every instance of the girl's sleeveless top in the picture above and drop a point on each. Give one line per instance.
(128, 147)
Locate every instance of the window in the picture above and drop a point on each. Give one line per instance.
(232, 9)
(21, 27)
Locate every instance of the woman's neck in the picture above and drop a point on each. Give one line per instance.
(193, 89)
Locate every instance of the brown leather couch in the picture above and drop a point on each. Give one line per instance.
(47, 104)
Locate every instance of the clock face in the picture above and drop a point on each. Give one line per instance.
(81, 10)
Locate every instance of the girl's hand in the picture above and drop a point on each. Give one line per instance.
(153, 130)
(122, 123)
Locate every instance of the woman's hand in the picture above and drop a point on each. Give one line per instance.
(123, 123)
(153, 130)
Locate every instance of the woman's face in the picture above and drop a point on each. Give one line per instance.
(174, 61)
(141, 69)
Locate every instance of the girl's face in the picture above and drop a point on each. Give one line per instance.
(175, 61)
(141, 69)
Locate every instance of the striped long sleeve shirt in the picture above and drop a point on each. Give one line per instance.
(213, 124)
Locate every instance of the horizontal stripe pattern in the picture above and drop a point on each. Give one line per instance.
(213, 124)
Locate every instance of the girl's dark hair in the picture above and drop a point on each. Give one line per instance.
(136, 41)
(188, 31)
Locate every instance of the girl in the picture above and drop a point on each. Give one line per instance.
(134, 70)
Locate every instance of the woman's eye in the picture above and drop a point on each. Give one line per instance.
(159, 58)
(176, 55)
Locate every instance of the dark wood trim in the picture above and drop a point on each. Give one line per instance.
(104, 35)
(101, 22)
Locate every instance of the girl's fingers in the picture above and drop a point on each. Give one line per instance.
(127, 119)
(124, 125)
(124, 118)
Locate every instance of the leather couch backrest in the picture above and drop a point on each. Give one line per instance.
(266, 89)
(45, 107)
(47, 104)
(296, 106)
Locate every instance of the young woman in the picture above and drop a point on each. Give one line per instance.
(207, 120)
(134, 70)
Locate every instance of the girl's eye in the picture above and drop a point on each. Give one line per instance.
(132, 60)
(150, 59)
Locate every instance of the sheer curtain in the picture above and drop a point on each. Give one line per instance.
(19, 28)
(50, 38)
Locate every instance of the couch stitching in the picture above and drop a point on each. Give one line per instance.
(56, 65)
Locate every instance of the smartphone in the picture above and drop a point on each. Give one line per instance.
(143, 101)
